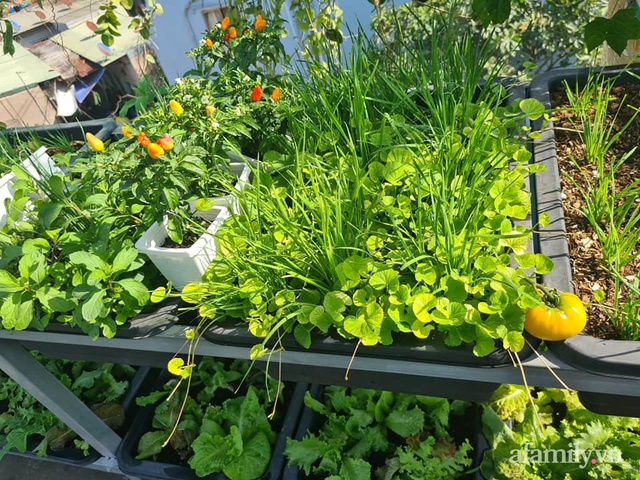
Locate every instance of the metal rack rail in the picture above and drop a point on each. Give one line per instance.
(402, 375)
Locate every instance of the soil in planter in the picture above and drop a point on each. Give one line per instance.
(190, 235)
(584, 248)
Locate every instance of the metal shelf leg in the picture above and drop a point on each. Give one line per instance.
(20, 365)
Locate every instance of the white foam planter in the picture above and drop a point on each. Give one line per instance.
(181, 266)
(37, 165)
(242, 172)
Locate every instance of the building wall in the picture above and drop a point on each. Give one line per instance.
(182, 25)
(29, 107)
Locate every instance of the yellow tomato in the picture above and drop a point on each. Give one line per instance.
(565, 320)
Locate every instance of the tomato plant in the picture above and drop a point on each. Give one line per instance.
(564, 316)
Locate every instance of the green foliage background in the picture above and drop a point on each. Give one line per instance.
(538, 36)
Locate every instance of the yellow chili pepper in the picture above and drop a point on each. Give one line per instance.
(126, 131)
(208, 43)
(210, 109)
(94, 142)
(176, 107)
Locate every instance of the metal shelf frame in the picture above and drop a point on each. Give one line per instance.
(409, 376)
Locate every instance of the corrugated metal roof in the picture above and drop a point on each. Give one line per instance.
(68, 63)
(67, 12)
(23, 70)
(81, 40)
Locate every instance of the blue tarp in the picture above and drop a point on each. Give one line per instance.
(84, 85)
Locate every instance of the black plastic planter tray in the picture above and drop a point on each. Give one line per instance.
(73, 131)
(607, 357)
(141, 326)
(433, 349)
(152, 470)
(142, 380)
(310, 422)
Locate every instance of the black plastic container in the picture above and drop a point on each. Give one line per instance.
(152, 470)
(607, 357)
(141, 326)
(311, 422)
(405, 346)
(142, 380)
(102, 129)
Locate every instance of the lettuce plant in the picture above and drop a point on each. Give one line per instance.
(556, 437)
(25, 423)
(218, 431)
(382, 435)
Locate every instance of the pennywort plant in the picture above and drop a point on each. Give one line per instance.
(395, 216)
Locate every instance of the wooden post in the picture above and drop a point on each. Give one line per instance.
(632, 52)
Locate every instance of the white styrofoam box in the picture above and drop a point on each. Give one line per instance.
(183, 265)
(243, 173)
(40, 162)
(238, 158)
(37, 163)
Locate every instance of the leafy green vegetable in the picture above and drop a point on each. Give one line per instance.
(24, 419)
(569, 443)
(409, 431)
(219, 432)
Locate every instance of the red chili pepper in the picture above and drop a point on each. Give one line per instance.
(256, 95)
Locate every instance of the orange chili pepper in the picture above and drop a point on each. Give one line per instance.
(155, 151)
(260, 24)
(275, 95)
(126, 131)
(208, 43)
(143, 139)
(225, 23)
(232, 33)
(166, 142)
